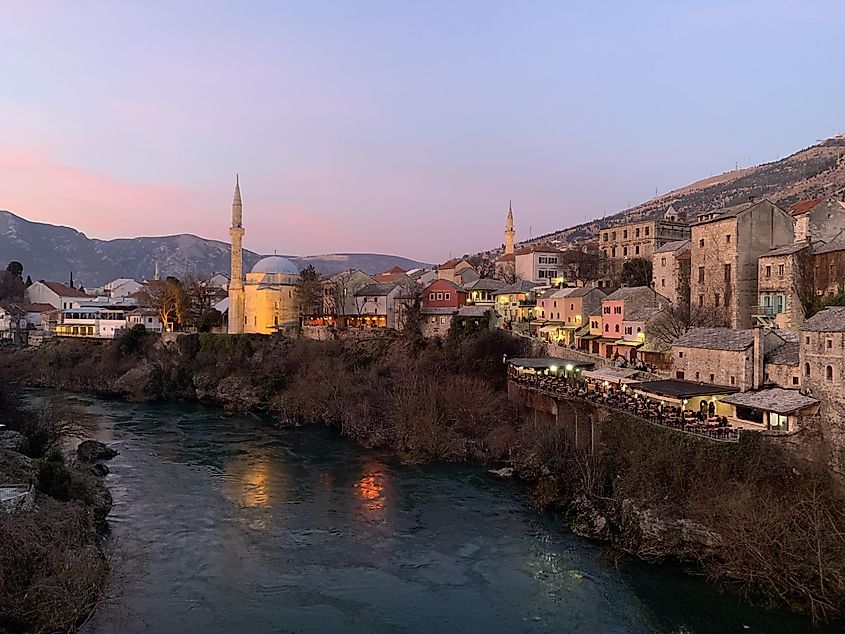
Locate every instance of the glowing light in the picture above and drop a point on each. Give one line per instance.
(553, 368)
(569, 367)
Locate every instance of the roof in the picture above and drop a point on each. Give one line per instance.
(716, 339)
(829, 248)
(507, 257)
(831, 319)
(473, 311)
(537, 248)
(63, 290)
(521, 286)
(678, 388)
(395, 270)
(451, 264)
(438, 310)
(675, 245)
(786, 249)
(37, 308)
(787, 354)
(774, 399)
(561, 293)
(643, 314)
(613, 375)
(484, 284)
(803, 206)
(731, 212)
(275, 264)
(583, 291)
(627, 292)
(449, 283)
(376, 290)
(546, 363)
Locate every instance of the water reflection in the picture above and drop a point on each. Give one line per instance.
(371, 488)
(255, 481)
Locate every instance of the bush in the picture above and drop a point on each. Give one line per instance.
(54, 479)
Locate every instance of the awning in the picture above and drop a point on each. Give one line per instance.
(589, 337)
(625, 342)
(549, 328)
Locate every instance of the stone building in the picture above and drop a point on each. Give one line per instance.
(781, 364)
(640, 239)
(726, 246)
(819, 220)
(668, 270)
(267, 299)
(783, 275)
(724, 356)
(822, 364)
(829, 268)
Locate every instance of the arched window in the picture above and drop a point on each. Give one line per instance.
(617, 327)
(828, 372)
(806, 369)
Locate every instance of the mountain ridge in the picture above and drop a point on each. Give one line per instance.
(50, 251)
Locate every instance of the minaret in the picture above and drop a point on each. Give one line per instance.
(236, 279)
(157, 275)
(510, 234)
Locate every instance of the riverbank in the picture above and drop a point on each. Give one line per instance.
(750, 516)
(53, 567)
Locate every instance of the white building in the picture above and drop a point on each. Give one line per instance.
(58, 295)
(147, 318)
(96, 322)
(539, 264)
(122, 287)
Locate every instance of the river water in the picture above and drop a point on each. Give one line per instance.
(227, 524)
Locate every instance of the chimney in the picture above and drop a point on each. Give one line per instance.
(757, 357)
(751, 199)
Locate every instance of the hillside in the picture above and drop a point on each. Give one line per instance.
(818, 170)
(52, 252)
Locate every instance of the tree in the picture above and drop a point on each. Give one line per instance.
(15, 268)
(28, 281)
(11, 286)
(210, 319)
(309, 291)
(169, 300)
(199, 298)
(580, 265)
(636, 272)
(676, 319)
(506, 271)
(484, 266)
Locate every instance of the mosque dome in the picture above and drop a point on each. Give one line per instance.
(275, 264)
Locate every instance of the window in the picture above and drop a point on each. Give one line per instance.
(607, 327)
(701, 300)
(617, 310)
(806, 369)
(637, 249)
(768, 271)
(681, 355)
(794, 380)
(605, 237)
(701, 242)
(662, 261)
(613, 252)
(625, 234)
(828, 373)
(637, 232)
(701, 275)
(572, 307)
(829, 344)
(679, 374)
(663, 282)
(728, 239)
(606, 310)
(625, 251)
(727, 273)
(718, 299)
(555, 303)
(541, 273)
(628, 330)
(442, 320)
(733, 380)
(696, 376)
(613, 235)
(647, 229)
(447, 296)
(616, 329)
(780, 270)
(807, 340)
(712, 378)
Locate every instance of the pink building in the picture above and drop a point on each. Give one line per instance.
(628, 300)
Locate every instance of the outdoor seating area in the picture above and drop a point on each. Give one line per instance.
(626, 398)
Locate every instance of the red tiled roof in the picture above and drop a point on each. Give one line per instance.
(396, 270)
(63, 290)
(505, 258)
(803, 206)
(37, 308)
(449, 264)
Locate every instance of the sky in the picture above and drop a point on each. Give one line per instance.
(396, 127)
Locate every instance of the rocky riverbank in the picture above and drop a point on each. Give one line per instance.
(53, 567)
(747, 514)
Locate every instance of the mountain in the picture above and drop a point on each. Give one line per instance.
(816, 171)
(52, 252)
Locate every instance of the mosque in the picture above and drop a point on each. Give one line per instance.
(266, 300)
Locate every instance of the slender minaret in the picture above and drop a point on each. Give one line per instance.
(236, 280)
(510, 234)
(157, 275)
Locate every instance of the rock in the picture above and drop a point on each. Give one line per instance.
(10, 439)
(587, 521)
(656, 534)
(93, 450)
(101, 500)
(99, 469)
(505, 472)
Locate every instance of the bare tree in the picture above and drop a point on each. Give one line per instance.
(169, 300)
(506, 271)
(676, 319)
(580, 266)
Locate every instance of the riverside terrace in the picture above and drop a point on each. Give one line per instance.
(650, 401)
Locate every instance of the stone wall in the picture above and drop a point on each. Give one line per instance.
(720, 367)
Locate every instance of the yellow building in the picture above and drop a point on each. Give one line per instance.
(267, 299)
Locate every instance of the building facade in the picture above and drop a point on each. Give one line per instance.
(540, 264)
(726, 247)
(641, 239)
(668, 271)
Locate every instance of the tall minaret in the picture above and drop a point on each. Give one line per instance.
(510, 234)
(236, 279)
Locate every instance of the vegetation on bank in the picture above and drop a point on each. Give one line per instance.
(52, 568)
(751, 514)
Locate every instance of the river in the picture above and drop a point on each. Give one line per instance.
(228, 524)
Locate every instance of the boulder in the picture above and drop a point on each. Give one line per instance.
(93, 450)
(505, 472)
(587, 521)
(99, 469)
(658, 533)
(10, 439)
